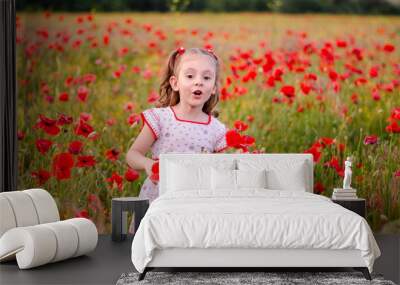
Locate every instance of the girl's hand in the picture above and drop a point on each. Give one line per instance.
(148, 166)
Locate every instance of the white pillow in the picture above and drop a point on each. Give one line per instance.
(289, 179)
(281, 174)
(251, 178)
(227, 179)
(223, 179)
(183, 177)
(185, 174)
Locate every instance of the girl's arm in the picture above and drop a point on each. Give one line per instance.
(135, 157)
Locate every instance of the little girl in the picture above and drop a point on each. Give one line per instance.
(185, 120)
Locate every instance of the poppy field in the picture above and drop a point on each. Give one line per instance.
(326, 85)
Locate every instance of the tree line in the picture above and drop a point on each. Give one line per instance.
(280, 6)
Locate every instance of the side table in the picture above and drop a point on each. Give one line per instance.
(356, 205)
(119, 215)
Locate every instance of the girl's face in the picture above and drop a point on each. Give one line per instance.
(195, 79)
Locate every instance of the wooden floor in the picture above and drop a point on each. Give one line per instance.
(111, 259)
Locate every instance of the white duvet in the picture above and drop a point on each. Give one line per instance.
(253, 218)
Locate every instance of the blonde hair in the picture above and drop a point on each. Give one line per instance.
(169, 97)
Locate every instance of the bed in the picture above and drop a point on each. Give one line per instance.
(247, 210)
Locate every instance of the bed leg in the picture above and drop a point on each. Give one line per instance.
(143, 274)
(364, 271)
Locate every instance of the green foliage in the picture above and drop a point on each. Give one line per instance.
(280, 6)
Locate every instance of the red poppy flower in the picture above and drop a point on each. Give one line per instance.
(85, 161)
(316, 152)
(300, 109)
(276, 100)
(115, 181)
(278, 74)
(83, 129)
(82, 93)
(112, 154)
(395, 114)
(62, 165)
(228, 81)
(129, 106)
(147, 74)
(43, 145)
(288, 91)
(388, 48)
(133, 119)
(49, 99)
(341, 147)
(64, 120)
(155, 171)
(44, 88)
(373, 72)
(131, 175)
(240, 90)
(375, 95)
(397, 173)
(135, 69)
(75, 147)
(111, 122)
(358, 53)
(63, 97)
(117, 74)
(76, 44)
(20, 135)
(42, 175)
(372, 139)
(360, 81)
(305, 88)
(341, 43)
(153, 97)
(327, 56)
(106, 39)
(393, 127)
(310, 76)
(250, 118)
(247, 140)
(68, 81)
(333, 75)
(325, 141)
(334, 163)
(240, 126)
(354, 98)
(318, 188)
(85, 116)
(48, 125)
(233, 138)
(89, 78)
(82, 214)
(123, 51)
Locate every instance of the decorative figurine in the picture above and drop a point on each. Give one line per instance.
(347, 173)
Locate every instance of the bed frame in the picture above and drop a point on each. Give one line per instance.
(241, 259)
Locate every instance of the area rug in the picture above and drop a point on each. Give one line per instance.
(230, 278)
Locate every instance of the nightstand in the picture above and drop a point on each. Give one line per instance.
(119, 213)
(356, 205)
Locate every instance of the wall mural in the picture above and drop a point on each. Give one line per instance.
(325, 85)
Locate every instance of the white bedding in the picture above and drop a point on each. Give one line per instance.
(251, 218)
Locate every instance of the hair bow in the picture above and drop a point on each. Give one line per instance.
(181, 50)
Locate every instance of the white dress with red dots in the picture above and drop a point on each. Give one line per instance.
(173, 134)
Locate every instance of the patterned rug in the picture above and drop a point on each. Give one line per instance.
(230, 278)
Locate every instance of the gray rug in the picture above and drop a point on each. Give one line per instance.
(230, 278)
